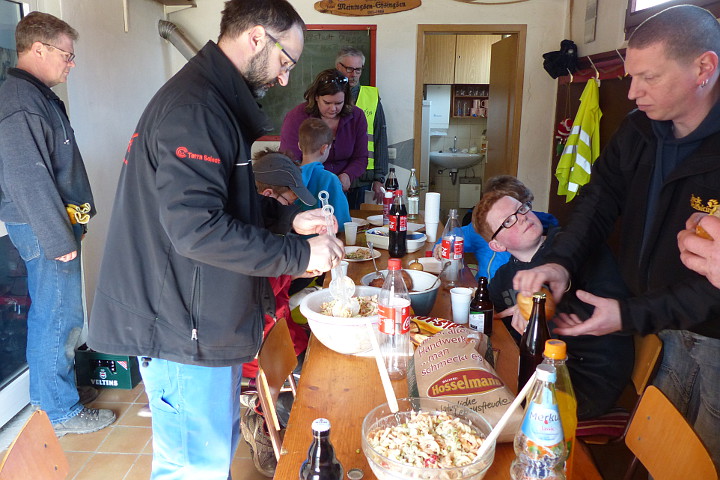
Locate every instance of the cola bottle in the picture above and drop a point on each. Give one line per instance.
(391, 182)
(397, 231)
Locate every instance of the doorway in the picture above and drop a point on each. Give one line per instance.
(507, 67)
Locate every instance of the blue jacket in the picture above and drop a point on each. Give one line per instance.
(316, 178)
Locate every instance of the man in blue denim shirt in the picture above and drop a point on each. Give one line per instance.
(42, 173)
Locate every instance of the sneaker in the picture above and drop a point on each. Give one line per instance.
(87, 394)
(249, 400)
(145, 411)
(87, 421)
(252, 426)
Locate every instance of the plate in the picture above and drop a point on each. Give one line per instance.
(362, 223)
(377, 220)
(355, 249)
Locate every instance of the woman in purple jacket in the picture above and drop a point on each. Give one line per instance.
(328, 98)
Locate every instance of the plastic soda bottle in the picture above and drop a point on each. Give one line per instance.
(539, 442)
(394, 326)
(413, 196)
(321, 463)
(452, 249)
(556, 355)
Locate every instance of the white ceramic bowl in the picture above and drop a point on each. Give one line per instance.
(385, 468)
(421, 299)
(379, 237)
(343, 335)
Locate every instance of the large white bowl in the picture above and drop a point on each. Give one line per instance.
(422, 300)
(343, 335)
(385, 468)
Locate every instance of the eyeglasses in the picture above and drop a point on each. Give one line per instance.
(351, 69)
(69, 56)
(512, 219)
(285, 200)
(282, 49)
(338, 80)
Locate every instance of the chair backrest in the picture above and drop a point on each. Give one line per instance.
(35, 453)
(647, 353)
(375, 207)
(276, 362)
(665, 443)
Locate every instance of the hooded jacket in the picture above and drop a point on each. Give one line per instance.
(665, 293)
(190, 241)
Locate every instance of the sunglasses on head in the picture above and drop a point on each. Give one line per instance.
(338, 80)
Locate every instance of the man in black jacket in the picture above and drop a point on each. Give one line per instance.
(661, 165)
(183, 283)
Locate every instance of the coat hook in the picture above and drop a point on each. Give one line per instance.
(597, 74)
(570, 73)
(622, 60)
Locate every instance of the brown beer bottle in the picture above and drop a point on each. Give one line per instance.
(321, 463)
(481, 309)
(533, 340)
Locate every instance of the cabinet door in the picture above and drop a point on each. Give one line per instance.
(472, 58)
(439, 59)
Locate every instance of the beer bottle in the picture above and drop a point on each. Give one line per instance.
(321, 463)
(533, 340)
(481, 309)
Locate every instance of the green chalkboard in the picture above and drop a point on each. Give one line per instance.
(322, 43)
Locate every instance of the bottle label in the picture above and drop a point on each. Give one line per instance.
(413, 205)
(452, 248)
(478, 319)
(542, 424)
(395, 320)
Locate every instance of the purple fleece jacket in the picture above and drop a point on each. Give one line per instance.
(348, 152)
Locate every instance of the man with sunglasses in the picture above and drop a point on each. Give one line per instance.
(350, 61)
(42, 173)
(599, 367)
(183, 282)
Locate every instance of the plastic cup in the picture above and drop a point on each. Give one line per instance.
(431, 231)
(343, 267)
(432, 207)
(350, 232)
(460, 298)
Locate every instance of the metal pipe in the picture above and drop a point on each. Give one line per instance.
(172, 33)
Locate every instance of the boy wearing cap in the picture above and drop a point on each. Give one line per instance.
(314, 140)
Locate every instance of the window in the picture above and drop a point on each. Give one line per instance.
(639, 10)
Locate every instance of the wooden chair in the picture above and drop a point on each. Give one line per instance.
(373, 207)
(276, 362)
(36, 453)
(647, 354)
(665, 443)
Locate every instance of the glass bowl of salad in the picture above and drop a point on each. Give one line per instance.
(427, 439)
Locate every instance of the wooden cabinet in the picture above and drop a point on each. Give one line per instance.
(457, 59)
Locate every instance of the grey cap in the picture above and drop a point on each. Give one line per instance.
(277, 169)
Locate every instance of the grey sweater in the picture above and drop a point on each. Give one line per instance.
(41, 169)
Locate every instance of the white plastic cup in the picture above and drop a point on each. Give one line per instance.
(432, 207)
(460, 298)
(350, 232)
(431, 231)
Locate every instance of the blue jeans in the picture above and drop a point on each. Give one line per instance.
(55, 321)
(689, 376)
(195, 419)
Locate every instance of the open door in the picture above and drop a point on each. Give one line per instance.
(503, 126)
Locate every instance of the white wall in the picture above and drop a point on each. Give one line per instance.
(610, 27)
(116, 75)
(396, 53)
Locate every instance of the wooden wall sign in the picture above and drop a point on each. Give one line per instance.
(365, 8)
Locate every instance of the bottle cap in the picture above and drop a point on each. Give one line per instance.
(555, 349)
(321, 425)
(394, 264)
(545, 373)
(398, 193)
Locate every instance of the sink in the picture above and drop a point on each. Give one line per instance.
(455, 160)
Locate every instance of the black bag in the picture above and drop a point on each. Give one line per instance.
(563, 61)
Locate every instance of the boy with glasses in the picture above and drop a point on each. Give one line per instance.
(42, 172)
(599, 367)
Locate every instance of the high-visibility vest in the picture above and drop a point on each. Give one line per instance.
(367, 101)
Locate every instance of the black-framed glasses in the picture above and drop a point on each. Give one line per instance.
(512, 219)
(293, 62)
(69, 56)
(351, 69)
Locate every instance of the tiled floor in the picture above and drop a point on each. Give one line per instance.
(123, 451)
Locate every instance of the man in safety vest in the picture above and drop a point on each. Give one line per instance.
(350, 61)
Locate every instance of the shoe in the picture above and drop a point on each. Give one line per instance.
(145, 411)
(87, 421)
(87, 394)
(252, 426)
(249, 400)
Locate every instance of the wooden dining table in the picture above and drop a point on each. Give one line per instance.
(344, 388)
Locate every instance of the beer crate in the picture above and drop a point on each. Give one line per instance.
(103, 370)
